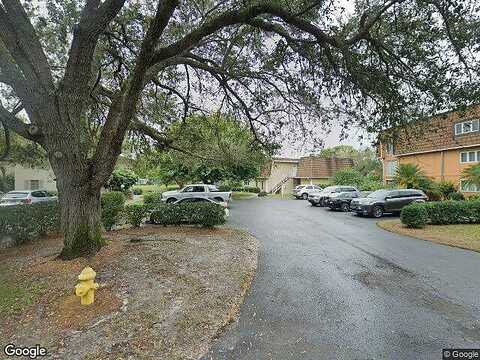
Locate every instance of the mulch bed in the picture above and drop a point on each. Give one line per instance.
(164, 293)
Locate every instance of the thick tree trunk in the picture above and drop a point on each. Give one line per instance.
(80, 220)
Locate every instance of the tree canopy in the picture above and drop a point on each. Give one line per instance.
(207, 149)
(88, 73)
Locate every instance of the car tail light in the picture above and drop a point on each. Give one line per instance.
(26, 201)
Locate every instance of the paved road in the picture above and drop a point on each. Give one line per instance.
(333, 286)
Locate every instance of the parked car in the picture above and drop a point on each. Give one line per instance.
(305, 190)
(386, 201)
(197, 190)
(198, 199)
(296, 189)
(341, 201)
(320, 198)
(26, 197)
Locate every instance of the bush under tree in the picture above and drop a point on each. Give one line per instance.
(112, 206)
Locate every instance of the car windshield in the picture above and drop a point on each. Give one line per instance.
(378, 194)
(16, 195)
(329, 189)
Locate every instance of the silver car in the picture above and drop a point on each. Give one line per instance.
(26, 197)
(302, 191)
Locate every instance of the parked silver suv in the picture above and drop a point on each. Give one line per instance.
(26, 197)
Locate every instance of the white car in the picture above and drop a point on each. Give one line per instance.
(26, 197)
(198, 199)
(197, 190)
(302, 191)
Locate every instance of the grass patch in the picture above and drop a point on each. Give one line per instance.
(279, 196)
(14, 296)
(239, 195)
(465, 236)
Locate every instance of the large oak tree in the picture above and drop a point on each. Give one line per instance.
(89, 73)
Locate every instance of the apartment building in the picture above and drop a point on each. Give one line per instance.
(442, 146)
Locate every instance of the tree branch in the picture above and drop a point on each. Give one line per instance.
(28, 131)
(18, 35)
(233, 17)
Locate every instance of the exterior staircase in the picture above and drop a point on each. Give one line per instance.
(278, 186)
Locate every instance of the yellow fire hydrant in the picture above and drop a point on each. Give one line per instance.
(86, 286)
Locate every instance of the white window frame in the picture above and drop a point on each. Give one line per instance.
(476, 157)
(462, 124)
(476, 188)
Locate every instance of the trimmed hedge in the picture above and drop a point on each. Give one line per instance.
(205, 214)
(262, 193)
(455, 196)
(252, 189)
(134, 214)
(27, 222)
(112, 206)
(152, 200)
(414, 216)
(445, 212)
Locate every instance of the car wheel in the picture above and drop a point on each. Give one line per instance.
(305, 196)
(377, 212)
(171, 200)
(218, 199)
(345, 207)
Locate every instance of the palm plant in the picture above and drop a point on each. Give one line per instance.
(411, 176)
(471, 175)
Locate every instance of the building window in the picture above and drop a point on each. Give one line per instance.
(34, 184)
(391, 168)
(470, 156)
(469, 187)
(466, 127)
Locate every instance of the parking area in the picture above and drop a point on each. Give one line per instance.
(331, 285)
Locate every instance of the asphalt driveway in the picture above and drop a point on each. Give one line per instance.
(334, 286)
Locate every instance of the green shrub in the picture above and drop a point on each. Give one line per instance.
(112, 206)
(252, 189)
(27, 222)
(456, 196)
(206, 214)
(137, 191)
(434, 194)
(238, 189)
(122, 180)
(446, 188)
(262, 193)
(451, 212)
(224, 187)
(414, 216)
(473, 198)
(134, 214)
(173, 187)
(152, 200)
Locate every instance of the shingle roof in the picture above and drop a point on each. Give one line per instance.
(321, 167)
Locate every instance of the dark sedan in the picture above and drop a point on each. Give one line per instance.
(341, 201)
(386, 201)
